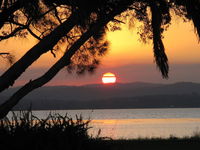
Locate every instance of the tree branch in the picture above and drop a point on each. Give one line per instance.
(48, 42)
(33, 34)
(4, 53)
(159, 49)
(13, 33)
(4, 15)
(65, 60)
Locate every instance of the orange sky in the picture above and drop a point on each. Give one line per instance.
(180, 42)
(125, 50)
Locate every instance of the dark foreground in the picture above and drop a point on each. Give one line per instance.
(56, 132)
(147, 144)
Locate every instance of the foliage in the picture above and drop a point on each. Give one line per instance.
(25, 131)
(80, 26)
(40, 17)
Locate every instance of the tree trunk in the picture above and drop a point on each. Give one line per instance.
(9, 77)
(65, 60)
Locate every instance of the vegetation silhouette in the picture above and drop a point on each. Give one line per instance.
(80, 26)
(26, 131)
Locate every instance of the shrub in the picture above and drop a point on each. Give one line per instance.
(27, 132)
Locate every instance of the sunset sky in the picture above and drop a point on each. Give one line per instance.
(129, 59)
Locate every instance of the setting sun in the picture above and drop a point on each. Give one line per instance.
(108, 78)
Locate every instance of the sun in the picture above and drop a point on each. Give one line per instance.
(108, 78)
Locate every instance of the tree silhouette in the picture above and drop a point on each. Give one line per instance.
(81, 25)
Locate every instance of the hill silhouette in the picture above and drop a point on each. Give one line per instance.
(97, 96)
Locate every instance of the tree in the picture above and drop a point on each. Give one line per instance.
(82, 27)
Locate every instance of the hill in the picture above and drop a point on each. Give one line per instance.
(129, 95)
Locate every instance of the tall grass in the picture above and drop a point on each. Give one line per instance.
(24, 131)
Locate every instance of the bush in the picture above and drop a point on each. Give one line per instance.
(27, 132)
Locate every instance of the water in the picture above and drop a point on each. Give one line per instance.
(135, 123)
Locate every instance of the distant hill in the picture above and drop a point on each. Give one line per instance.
(129, 95)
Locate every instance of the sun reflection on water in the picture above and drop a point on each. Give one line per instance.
(135, 128)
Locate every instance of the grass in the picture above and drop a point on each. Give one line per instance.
(27, 132)
(24, 131)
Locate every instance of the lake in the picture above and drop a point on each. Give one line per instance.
(138, 123)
